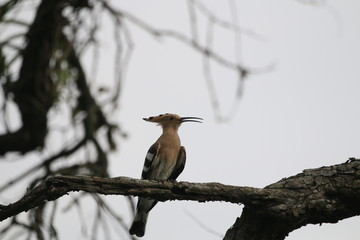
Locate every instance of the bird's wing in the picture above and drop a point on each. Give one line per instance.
(180, 164)
(150, 156)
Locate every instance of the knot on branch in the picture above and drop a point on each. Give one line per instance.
(178, 188)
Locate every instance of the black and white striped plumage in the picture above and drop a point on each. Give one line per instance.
(150, 156)
(165, 160)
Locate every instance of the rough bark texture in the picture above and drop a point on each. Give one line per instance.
(56, 187)
(323, 195)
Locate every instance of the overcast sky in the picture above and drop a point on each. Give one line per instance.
(302, 114)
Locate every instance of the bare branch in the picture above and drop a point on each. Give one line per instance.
(326, 194)
(58, 186)
(177, 36)
(224, 24)
(45, 163)
(193, 21)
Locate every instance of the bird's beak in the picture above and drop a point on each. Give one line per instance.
(191, 119)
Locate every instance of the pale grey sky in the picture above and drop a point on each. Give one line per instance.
(303, 114)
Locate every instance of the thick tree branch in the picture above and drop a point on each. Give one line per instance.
(58, 186)
(326, 194)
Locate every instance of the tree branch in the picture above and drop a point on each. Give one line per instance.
(58, 186)
(323, 195)
(326, 194)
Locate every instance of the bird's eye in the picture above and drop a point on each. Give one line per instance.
(171, 118)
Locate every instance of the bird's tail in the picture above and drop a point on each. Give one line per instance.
(139, 224)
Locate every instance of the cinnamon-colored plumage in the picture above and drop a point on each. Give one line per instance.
(165, 160)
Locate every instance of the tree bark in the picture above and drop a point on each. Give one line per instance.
(322, 195)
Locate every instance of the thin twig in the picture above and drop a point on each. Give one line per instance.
(202, 225)
(224, 24)
(193, 21)
(63, 153)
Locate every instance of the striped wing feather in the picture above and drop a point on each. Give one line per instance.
(150, 156)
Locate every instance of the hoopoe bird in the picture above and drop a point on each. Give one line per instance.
(165, 160)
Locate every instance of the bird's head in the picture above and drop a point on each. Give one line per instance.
(169, 120)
